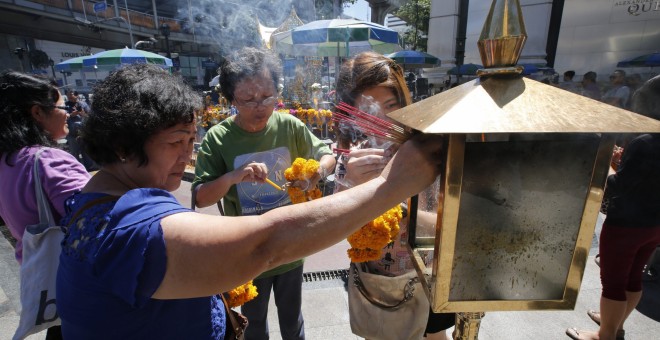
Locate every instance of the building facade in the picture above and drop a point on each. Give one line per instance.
(579, 35)
(196, 34)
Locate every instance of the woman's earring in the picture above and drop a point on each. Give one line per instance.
(122, 159)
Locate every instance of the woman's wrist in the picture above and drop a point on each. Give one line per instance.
(323, 172)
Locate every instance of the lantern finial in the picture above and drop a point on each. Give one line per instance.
(502, 38)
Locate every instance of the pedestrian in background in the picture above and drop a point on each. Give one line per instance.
(33, 118)
(590, 87)
(631, 231)
(78, 111)
(619, 93)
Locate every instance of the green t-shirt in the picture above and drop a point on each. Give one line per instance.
(227, 147)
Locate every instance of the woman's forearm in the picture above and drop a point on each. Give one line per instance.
(211, 192)
(209, 254)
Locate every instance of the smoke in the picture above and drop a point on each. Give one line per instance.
(232, 24)
(371, 106)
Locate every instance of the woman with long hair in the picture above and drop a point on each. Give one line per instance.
(376, 85)
(33, 118)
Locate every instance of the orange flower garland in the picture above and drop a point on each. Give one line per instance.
(241, 294)
(368, 241)
(302, 170)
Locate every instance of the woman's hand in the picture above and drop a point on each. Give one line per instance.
(416, 164)
(365, 164)
(616, 157)
(250, 172)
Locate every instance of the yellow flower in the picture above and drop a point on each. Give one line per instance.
(367, 242)
(302, 170)
(241, 294)
(363, 255)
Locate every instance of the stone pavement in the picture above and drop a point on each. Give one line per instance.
(325, 301)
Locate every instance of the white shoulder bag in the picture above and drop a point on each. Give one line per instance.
(41, 257)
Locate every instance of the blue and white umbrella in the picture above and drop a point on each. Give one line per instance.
(337, 37)
(71, 65)
(125, 56)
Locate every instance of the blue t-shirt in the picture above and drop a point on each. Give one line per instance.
(113, 260)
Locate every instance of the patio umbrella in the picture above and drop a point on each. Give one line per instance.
(125, 56)
(414, 59)
(336, 38)
(73, 64)
(465, 70)
(529, 69)
(647, 60)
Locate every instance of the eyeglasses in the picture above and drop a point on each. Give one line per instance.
(268, 102)
(61, 107)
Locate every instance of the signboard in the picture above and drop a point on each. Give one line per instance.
(635, 10)
(100, 7)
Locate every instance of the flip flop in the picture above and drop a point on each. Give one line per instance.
(573, 333)
(594, 315)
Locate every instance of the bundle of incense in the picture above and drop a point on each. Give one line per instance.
(369, 124)
(337, 150)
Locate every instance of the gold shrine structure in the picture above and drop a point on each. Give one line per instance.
(512, 214)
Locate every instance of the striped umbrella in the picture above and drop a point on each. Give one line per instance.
(73, 64)
(337, 37)
(126, 56)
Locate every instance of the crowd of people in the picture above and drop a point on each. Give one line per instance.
(148, 267)
(618, 91)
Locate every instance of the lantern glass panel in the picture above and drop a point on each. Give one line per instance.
(521, 204)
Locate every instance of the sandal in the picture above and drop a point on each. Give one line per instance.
(574, 334)
(594, 315)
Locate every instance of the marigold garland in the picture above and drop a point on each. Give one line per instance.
(302, 170)
(308, 116)
(368, 241)
(241, 294)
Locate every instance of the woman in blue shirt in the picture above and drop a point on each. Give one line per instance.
(136, 264)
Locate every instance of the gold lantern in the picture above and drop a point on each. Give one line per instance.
(509, 223)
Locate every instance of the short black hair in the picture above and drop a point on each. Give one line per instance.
(244, 63)
(591, 75)
(19, 92)
(621, 72)
(569, 74)
(646, 100)
(132, 104)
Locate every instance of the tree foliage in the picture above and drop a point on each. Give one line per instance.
(39, 59)
(417, 14)
(325, 8)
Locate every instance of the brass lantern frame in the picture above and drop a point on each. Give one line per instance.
(490, 108)
(437, 286)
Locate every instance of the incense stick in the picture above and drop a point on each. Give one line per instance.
(369, 124)
(273, 184)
